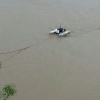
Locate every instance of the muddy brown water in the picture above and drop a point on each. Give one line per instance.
(48, 67)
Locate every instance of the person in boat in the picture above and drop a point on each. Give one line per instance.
(60, 30)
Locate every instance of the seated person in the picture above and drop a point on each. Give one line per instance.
(61, 30)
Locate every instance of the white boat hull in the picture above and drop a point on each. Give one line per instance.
(54, 31)
(64, 33)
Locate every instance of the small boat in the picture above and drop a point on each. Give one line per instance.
(60, 31)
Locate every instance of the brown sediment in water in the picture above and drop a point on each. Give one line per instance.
(48, 67)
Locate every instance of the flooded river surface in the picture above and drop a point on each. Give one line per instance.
(48, 67)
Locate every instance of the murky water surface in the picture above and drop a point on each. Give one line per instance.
(48, 67)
